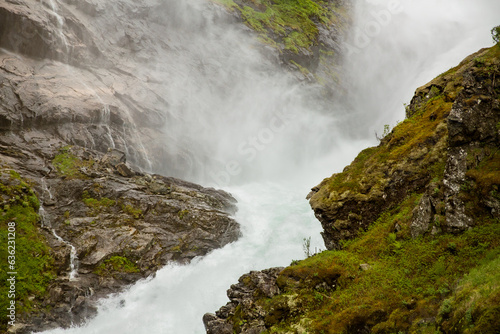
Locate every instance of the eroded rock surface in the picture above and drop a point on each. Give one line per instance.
(122, 228)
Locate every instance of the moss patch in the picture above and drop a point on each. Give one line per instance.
(407, 280)
(475, 305)
(129, 209)
(69, 165)
(33, 258)
(114, 265)
(293, 22)
(96, 205)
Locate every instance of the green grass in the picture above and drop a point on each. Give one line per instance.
(181, 214)
(69, 165)
(475, 306)
(33, 257)
(96, 205)
(408, 278)
(136, 213)
(114, 265)
(294, 22)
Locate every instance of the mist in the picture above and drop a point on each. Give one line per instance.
(236, 120)
(234, 116)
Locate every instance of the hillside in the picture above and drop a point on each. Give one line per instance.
(412, 227)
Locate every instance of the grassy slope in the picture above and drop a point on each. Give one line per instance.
(33, 258)
(434, 283)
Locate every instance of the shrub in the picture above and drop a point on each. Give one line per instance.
(495, 34)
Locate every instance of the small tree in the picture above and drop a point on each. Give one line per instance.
(306, 245)
(495, 33)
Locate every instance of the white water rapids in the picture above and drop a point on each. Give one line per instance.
(396, 47)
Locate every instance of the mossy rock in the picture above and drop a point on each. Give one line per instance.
(33, 260)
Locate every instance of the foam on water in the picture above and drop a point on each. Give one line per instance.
(213, 119)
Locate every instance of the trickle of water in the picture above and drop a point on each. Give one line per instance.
(73, 265)
(45, 221)
(60, 29)
(140, 155)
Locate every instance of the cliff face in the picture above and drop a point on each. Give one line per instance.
(60, 77)
(411, 226)
(79, 120)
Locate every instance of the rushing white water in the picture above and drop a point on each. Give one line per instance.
(224, 111)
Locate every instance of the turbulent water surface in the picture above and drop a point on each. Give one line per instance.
(254, 132)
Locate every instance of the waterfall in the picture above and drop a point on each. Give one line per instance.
(254, 131)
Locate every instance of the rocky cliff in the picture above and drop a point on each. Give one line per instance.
(88, 225)
(79, 121)
(412, 227)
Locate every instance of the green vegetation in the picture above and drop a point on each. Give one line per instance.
(487, 174)
(409, 281)
(414, 137)
(96, 205)
(33, 258)
(182, 213)
(495, 34)
(292, 22)
(114, 265)
(69, 165)
(136, 213)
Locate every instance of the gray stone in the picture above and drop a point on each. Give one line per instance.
(454, 178)
(251, 286)
(422, 217)
(113, 158)
(124, 170)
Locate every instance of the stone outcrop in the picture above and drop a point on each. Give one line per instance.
(244, 297)
(461, 131)
(122, 228)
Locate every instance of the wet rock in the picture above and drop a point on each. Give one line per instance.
(121, 230)
(250, 288)
(113, 158)
(124, 170)
(214, 325)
